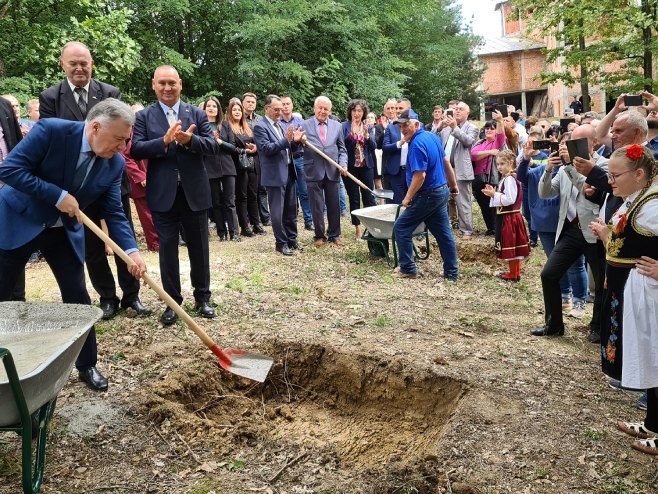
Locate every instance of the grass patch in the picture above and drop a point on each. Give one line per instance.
(593, 434)
(236, 284)
(382, 321)
(117, 357)
(542, 472)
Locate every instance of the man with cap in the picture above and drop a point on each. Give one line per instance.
(430, 180)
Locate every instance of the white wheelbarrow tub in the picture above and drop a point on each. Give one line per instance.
(379, 220)
(44, 341)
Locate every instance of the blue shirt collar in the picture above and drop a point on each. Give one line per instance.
(176, 107)
(85, 148)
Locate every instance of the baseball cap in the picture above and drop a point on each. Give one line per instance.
(407, 115)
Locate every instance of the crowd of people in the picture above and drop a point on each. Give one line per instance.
(585, 189)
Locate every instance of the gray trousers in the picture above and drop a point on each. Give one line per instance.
(465, 206)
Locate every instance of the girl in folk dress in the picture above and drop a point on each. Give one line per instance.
(511, 236)
(631, 241)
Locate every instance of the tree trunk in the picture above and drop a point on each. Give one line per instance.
(646, 42)
(584, 73)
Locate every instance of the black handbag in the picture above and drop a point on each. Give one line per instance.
(490, 174)
(246, 162)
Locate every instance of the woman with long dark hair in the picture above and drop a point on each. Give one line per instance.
(222, 173)
(247, 178)
(360, 144)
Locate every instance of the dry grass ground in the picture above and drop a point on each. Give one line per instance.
(379, 385)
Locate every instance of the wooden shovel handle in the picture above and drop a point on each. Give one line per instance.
(154, 285)
(359, 182)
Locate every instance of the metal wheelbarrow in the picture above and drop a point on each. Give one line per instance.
(38, 345)
(379, 222)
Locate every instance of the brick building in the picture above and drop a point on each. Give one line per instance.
(513, 63)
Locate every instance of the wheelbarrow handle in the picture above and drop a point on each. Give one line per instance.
(358, 182)
(155, 286)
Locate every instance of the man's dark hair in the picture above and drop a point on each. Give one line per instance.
(270, 98)
(249, 94)
(453, 102)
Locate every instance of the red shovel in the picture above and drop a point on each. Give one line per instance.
(239, 362)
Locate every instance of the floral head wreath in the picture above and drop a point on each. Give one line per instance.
(634, 152)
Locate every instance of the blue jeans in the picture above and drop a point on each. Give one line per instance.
(302, 191)
(429, 206)
(574, 283)
(342, 196)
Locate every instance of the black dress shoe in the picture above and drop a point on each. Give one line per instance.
(236, 238)
(94, 379)
(285, 250)
(258, 229)
(266, 222)
(168, 317)
(594, 337)
(137, 306)
(247, 232)
(222, 237)
(545, 331)
(109, 309)
(293, 245)
(309, 227)
(205, 310)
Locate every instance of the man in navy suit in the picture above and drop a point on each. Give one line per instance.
(71, 99)
(174, 136)
(278, 174)
(394, 156)
(58, 169)
(323, 178)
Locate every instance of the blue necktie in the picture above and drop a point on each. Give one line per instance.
(81, 171)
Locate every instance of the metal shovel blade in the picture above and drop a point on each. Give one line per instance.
(383, 193)
(250, 365)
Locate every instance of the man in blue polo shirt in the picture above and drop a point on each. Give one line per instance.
(429, 175)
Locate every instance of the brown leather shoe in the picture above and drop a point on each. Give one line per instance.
(319, 242)
(337, 242)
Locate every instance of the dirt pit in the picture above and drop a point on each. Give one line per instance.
(359, 412)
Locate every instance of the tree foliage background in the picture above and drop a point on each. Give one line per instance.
(302, 48)
(609, 43)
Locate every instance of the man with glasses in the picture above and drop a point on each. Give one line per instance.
(394, 155)
(275, 151)
(458, 138)
(573, 235)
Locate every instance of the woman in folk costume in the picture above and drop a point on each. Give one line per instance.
(631, 241)
(511, 236)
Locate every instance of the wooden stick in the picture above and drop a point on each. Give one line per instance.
(359, 182)
(164, 296)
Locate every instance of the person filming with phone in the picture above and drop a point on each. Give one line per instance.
(573, 235)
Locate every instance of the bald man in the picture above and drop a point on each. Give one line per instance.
(174, 136)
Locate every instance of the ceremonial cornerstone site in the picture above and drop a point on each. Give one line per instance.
(379, 385)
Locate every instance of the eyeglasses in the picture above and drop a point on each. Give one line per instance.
(612, 178)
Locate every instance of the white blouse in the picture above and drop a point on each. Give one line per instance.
(506, 198)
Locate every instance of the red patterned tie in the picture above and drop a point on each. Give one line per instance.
(323, 133)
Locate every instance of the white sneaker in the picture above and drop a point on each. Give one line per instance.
(578, 310)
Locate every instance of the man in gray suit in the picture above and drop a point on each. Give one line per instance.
(321, 176)
(458, 137)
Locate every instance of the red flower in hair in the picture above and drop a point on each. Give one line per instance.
(634, 152)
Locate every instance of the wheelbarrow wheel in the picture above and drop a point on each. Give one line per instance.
(378, 248)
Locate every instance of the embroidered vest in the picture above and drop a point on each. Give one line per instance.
(628, 242)
(512, 208)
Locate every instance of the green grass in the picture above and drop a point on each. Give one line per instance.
(593, 434)
(542, 472)
(382, 321)
(236, 284)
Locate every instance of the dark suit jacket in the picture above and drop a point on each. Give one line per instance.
(273, 155)
(167, 163)
(59, 101)
(391, 152)
(350, 146)
(315, 166)
(36, 172)
(222, 164)
(10, 127)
